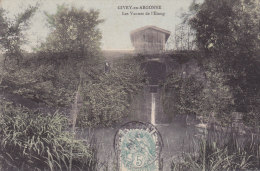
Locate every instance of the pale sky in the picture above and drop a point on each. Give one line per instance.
(116, 28)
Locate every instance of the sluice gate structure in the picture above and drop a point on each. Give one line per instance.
(149, 42)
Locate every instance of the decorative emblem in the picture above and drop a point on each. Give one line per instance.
(138, 147)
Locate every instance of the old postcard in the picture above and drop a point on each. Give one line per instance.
(129, 85)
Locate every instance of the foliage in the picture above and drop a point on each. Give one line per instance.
(207, 97)
(74, 31)
(106, 100)
(44, 83)
(69, 63)
(12, 36)
(73, 46)
(215, 155)
(106, 96)
(35, 141)
(227, 31)
(183, 38)
(52, 75)
(227, 25)
(182, 94)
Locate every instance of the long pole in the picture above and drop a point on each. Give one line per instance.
(153, 109)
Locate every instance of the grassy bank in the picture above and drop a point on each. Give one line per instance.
(30, 140)
(221, 152)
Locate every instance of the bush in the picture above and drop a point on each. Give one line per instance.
(40, 84)
(206, 97)
(106, 101)
(182, 94)
(30, 140)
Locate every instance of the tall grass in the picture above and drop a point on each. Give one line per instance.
(30, 140)
(230, 151)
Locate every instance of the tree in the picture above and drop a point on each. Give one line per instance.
(227, 31)
(183, 38)
(75, 41)
(52, 75)
(184, 35)
(74, 31)
(11, 35)
(225, 24)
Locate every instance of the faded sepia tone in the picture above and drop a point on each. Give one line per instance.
(129, 85)
(116, 25)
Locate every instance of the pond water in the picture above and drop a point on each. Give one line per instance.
(176, 139)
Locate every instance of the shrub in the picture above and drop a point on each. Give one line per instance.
(206, 97)
(106, 101)
(39, 84)
(182, 95)
(30, 140)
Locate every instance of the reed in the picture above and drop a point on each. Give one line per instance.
(221, 153)
(30, 140)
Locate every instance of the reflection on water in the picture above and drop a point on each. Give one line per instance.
(175, 137)
(178, 138)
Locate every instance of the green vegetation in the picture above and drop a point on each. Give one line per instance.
(226, 151)
(12, 37)
(69, 65)
(227, 36)
(34, 141)
(106, 100)
(227, 32)
(66, 73)
(188, 94)
(74, 31)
